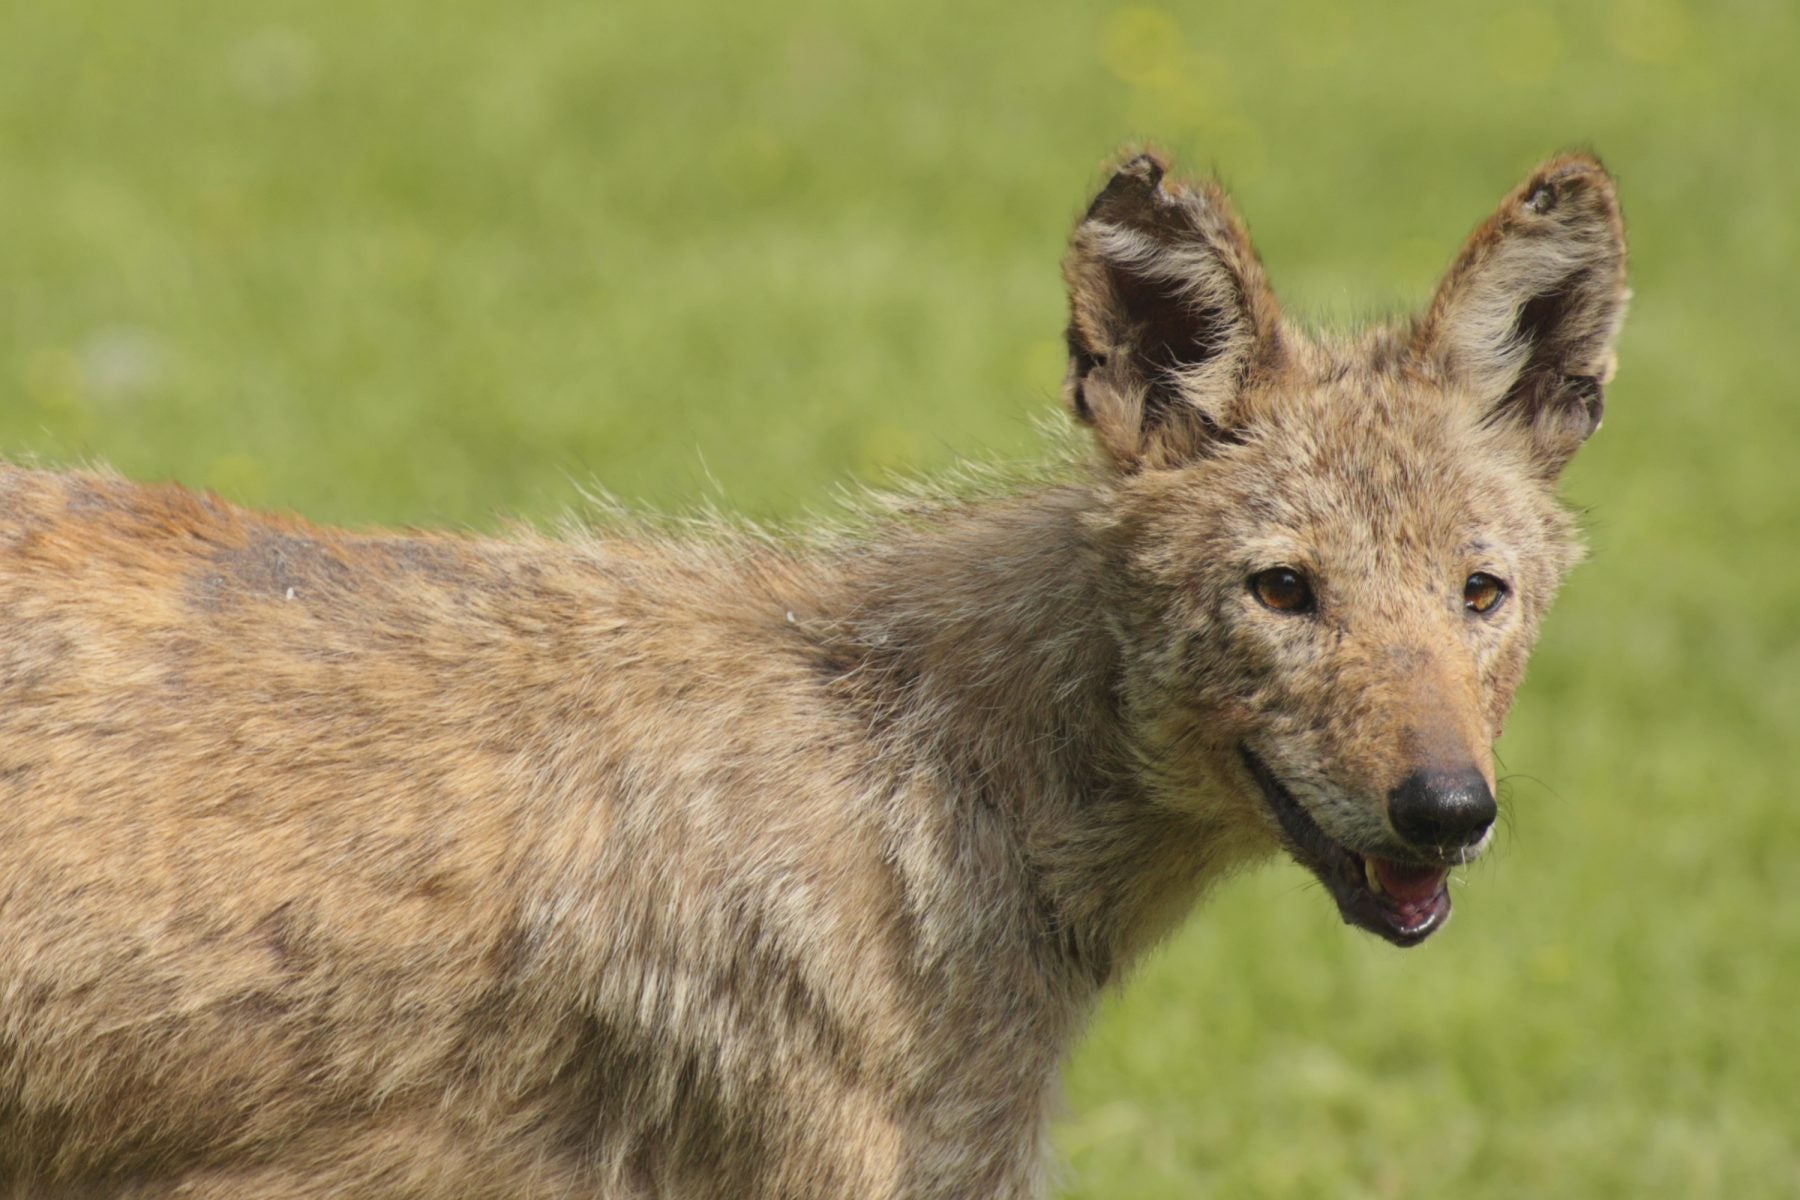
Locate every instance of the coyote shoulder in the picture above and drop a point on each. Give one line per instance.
(373, 865)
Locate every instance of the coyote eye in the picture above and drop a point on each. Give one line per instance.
(1483, 593)
(1283, 589)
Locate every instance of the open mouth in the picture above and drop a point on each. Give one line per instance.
(1402, 902)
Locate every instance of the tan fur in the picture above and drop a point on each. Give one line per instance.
(340, 864)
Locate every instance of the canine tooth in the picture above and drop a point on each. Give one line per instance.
(1373, 876)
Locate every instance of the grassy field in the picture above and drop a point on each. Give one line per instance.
(429, 263)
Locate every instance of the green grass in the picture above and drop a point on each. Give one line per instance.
(433, 262)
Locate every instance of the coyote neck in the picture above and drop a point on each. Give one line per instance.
(977, 643)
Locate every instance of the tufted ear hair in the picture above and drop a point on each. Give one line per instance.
(1169, 314)
(1526, 317)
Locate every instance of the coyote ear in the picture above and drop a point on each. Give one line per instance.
(1169, 309)
(1526, 317)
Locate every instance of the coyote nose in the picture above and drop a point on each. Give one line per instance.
(1442, 808)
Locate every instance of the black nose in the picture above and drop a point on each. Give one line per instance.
(1442, 808)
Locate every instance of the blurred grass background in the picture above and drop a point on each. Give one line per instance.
(434, 262)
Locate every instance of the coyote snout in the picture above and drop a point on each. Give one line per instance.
(613, 866)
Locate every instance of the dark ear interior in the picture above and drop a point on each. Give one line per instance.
(1162, 329)
(1549, 392)
(1527, 316)
(1168, 307)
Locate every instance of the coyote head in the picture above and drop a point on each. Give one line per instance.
(1332, 556)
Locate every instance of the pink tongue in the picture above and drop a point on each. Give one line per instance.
(1408, 885)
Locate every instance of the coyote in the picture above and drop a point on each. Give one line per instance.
(624, 865)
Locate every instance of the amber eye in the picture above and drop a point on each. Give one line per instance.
(1483, 593)
(1283, 589)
